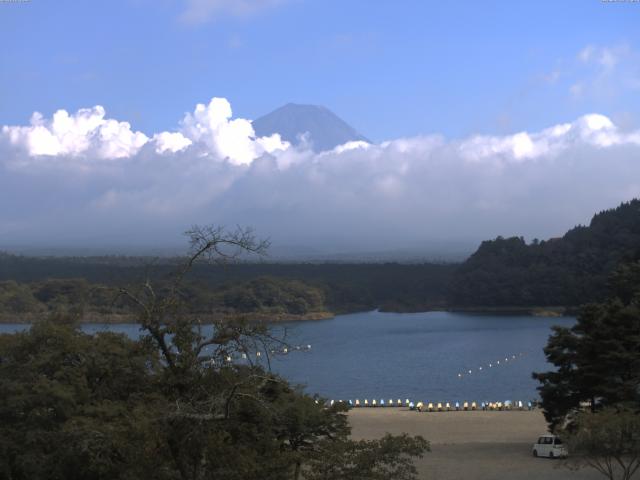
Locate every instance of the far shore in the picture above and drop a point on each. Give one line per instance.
(126, 318)
(549, 311)
(260, 317)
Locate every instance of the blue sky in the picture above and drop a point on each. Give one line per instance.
(390, 68)
(487, 118)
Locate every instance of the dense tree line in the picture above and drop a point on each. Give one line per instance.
(78, 406)
(598, 359)
(89, 302)
(171, 406)
(239, 286)
(592, 397)
(505, 272)
(567, 271)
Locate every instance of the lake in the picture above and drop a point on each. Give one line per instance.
(421, 356)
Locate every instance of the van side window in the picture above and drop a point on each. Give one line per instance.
(541, 441)
(548, 441)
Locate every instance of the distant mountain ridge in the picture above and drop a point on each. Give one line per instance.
(324, 128)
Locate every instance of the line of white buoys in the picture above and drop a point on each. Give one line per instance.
(245, 355)
(491, 364)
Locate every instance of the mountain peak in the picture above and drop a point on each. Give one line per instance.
(324, 128)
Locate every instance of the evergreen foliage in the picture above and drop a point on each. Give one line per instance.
(172, 406)
(598, 359)
(567, 271)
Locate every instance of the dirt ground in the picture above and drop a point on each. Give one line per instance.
(470, 445)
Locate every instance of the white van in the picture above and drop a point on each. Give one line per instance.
(549, 446)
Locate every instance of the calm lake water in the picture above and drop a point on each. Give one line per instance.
(418, 356)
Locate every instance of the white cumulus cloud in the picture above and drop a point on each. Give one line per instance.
(592, 129)
(212, 168)
(234, 140)
(171, 142)
(85, 132)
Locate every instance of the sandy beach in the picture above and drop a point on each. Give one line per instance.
(470, 445)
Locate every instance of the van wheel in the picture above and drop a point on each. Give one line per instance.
(551, 455)
(535, 453)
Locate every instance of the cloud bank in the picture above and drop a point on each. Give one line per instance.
(85, 179)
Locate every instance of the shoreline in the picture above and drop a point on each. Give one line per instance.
(127, 318)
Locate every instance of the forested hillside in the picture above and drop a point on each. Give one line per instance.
(503, 273)
(566, 271)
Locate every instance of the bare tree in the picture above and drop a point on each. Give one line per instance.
(192, 347)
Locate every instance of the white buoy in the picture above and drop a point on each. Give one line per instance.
(285, 350)
(309, 347)
(258, 354)
(459, 375)
(469, 372)
(480, 368)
